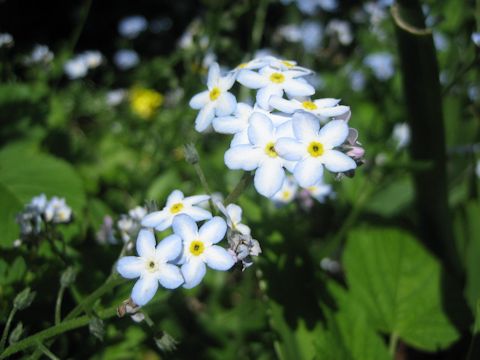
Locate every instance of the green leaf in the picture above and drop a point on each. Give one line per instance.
(399, 284)
(392, 198)
(348, 334)
(25, 174)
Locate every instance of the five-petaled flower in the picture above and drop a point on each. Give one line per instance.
(214, 101)
(177, 204)
(152, 266)
(313, 148)
(324, 108)
(199, 248)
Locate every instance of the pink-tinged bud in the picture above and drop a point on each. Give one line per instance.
(352, 136)
(356, 152)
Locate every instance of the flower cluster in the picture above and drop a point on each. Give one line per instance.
(182, 257)
(126, 228)
(295, 133)
(40, 210)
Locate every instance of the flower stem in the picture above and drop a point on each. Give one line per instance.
(58, 305)
(47, 352)
(61, 328)
(259, 25)
(239, 188)
(392, 344)
(7, 329)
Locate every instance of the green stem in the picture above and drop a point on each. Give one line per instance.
(259, 24)
(7, 329)
(239, 188)
(58, 305)
(392, 345)
(47, 352)
(61, 328)
(474, 348)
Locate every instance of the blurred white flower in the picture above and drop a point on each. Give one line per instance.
(320, 191)
(477, 169)
(342, 30)
(199, 248)
(130, 27)
(309, 7)
(137, 213)
(309, 34)
(381, 64)
(39, 203)
(313, 147)
(57, 211)
(357, 80)
(440, 40)
(473, 92)
(401, 135)
(6, 40)
(75, 68)
(151, 266)
(476, 38)
(177, 204)
(39, 54)
(126, 59)
(92, 58)
(115, 97)
(216, 100)
(287, 192)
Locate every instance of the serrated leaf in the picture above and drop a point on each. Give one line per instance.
(399, 284)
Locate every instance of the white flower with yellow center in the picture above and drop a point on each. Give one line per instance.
(313, 148)
(261, 154)
(216, 101)
(324, 108)
(152, 266)
(320, 191)
(274, 82)
(288, 191)
(199, 249)
(177, 204)
(57, 211)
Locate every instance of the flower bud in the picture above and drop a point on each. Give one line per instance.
(68, 277)
(24, 299)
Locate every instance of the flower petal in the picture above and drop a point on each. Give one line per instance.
(185, 227)
(269, 178)
(243, 157)
(213, 76)
(282, 104)
(164, 225)
(130, 267)
(326, 102)
(336, 161)
(204, 117)
(334, 133)
(155, 218)
(234, 212)
(170, 276)
(240, 138)
(251, 79)
(308, 171)
(169, 248)
(333, 111)
(213, 230)
(193, 272)
(226, 82)
(195, 199)
(218, 258)
(260, 130)
(197, 213)
(298, 88)
(226, 104)
(264, 94)
(305, 126)
(175, 196)
(229, 124)
(146, 243)
(200, 100)
(290, 149)
(144, 290)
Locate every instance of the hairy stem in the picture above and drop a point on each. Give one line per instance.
(392, 344)
(7, 329)
(58, 305)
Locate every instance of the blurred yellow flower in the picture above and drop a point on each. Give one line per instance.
(144, 102)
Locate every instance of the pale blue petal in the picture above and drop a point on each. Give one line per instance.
(251, 79)
(197, 213)
(164, 225)
(334, 133)
(240, 138)
(213, 230)
(170, 276)
(264, 94)
(308, 171)
(260, 130)
(282, 104)
(200, 100)
(336, 161)
(333, 111)
(130, 267)
(204, 117)
(155, 218)
(305, 126)
(218, 258)
(290, 149)
(229, 124)
(175, 196)
(144, 290)
(193, 272)
(243, 157)
(213, 76)
(225, 105)
(185, 227)
(299, 88)
(269, 178)
(169, 248)
(146, 243)
(196, 199)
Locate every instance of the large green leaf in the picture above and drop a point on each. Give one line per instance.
(399, 284)
(25, 174)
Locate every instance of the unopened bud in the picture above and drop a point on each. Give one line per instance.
(24, 299)
(165, 342)
(191, 154)
(356, 152)
(16, 334)
(68, 277)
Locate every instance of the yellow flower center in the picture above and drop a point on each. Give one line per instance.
(152, 266)
(288, 63)
(277, 78)
(270, 150)
(309, 105)
(214, 93)
(197, 247)
(242, 66)
(286, 195)
(176, 208)
(315, 149)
